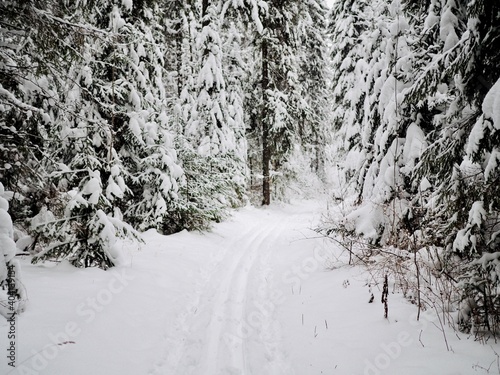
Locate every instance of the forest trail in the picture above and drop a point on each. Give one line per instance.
(272, 297)
(260, 294)
(229, 326)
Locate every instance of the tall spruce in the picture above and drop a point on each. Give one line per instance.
(283, 111)
(314, 82)
(461, 162)
(421, 130)
(210, 137)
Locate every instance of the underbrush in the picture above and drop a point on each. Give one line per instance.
(463, 294)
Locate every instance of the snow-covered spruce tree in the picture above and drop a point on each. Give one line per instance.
(39, 96)
(315, 78)
(428, 101)
(349, 21)
(353, 47)
(431, 173)
(476, 238)
(12, 293)
(241, 23)
(31, 60)
(175, 38)
(369, 89)
(189, 210)
(387, 124)
(282, 100)
(280, 106)
(235, 74)
(252, 99)
(274, 125)
(461, 163)
(304, 169)
(143, 137)
(211, 143)
(382, 123)
(116, 155)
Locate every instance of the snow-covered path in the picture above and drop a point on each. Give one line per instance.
(259, 295)
(228, 326)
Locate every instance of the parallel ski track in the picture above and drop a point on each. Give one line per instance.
(231, 268)
(230, 304)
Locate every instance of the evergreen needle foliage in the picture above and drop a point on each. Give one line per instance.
(121, 116)
(416, 98)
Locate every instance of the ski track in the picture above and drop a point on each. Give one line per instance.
(229, 308)
(211, 335)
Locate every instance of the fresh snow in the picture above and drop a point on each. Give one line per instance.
(491, 105)
(260, 294)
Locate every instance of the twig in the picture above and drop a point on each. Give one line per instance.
(420, 338)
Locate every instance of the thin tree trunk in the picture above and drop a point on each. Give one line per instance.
(179, 36)
(204, 7)
(266, 150)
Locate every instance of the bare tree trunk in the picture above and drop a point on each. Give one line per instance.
(266, 150)
(204, 7)
(179, 35)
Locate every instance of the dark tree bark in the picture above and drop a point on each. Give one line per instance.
(266, 150)
(204, 7)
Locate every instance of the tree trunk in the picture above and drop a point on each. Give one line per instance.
(266, 150)
(179, 36)
(204, 7)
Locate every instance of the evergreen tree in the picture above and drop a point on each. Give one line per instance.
(422, 133)
(32, 60)
(108, 142)
(281, 115)
(210, 130)
(314, 79)
(461, 162)
(383, 134)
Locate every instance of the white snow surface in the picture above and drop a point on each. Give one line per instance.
(260, 294)
(491, 104)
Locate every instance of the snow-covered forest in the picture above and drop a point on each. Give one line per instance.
(126, 124)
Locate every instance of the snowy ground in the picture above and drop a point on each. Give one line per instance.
(258, 295)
